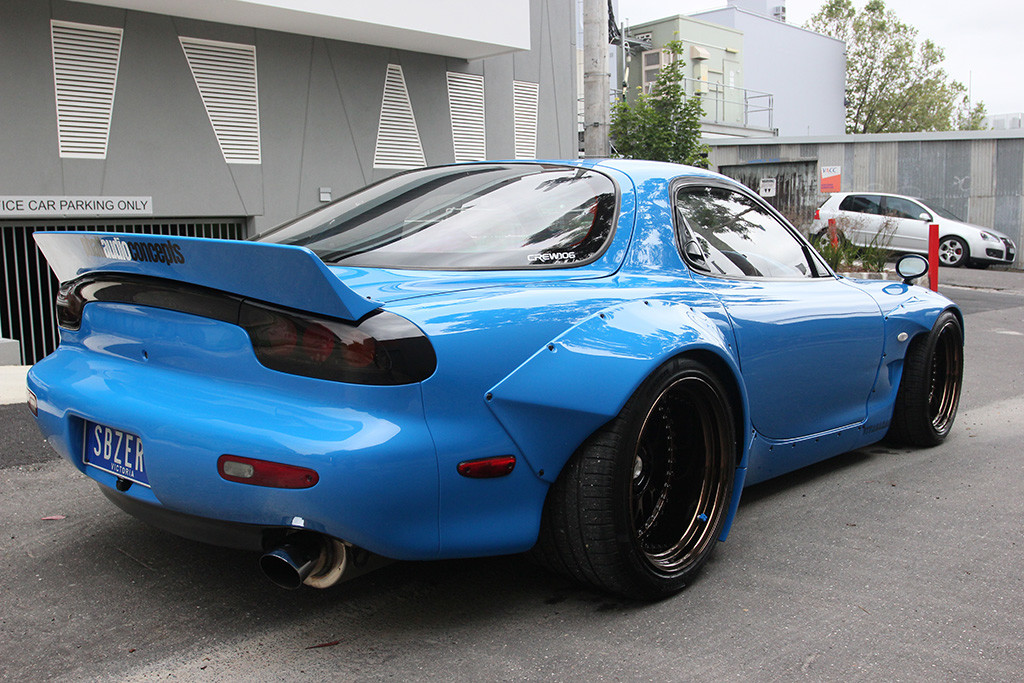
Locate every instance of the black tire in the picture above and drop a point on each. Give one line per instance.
(639, 507)
(929, 392)
(953, 252)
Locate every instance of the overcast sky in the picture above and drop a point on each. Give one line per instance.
(982, 39)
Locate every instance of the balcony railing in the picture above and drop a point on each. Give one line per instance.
(729, 105)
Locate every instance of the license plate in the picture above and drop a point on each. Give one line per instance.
(114, 451)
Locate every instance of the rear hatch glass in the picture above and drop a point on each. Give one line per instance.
(464, 217)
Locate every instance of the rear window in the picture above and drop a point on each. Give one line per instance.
(474, 217)
(860, 203)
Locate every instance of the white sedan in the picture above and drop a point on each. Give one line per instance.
(901, 223)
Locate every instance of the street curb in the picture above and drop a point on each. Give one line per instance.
(12, 383)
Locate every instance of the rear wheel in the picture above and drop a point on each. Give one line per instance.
(639, 507)
(823, 240)
(929, 392)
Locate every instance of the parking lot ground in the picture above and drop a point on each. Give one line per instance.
(880, 564)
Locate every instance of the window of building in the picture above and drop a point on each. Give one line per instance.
(225, 74)
(85, 64)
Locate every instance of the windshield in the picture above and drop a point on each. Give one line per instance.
(484, 216)
(943, 212)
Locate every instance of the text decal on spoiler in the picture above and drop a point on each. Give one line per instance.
(129, 250)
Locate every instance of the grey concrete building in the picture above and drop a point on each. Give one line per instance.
(226, 118)
(977, 175)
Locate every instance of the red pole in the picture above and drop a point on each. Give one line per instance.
(833, 234)
(933, 256)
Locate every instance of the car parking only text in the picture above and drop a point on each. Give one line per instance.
(42, 206)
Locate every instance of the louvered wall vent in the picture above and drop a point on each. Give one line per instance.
(225, 74)
(398, 140)
(85, 61)
(466, 103)
(524, 104)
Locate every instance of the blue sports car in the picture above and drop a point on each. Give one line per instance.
(586, 359)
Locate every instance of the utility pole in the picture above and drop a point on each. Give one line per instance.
(596, 78)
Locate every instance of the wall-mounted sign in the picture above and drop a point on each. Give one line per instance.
(831, 178)
(65, 207)
(767, 187)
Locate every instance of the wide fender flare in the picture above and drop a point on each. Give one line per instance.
(908, 312)
(582, 379)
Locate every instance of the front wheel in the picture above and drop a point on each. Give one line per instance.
(953, 252)
(640, 505)
(929, 393)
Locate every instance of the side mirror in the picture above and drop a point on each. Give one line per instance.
(695, 255)
(925, 216)
(911, 266)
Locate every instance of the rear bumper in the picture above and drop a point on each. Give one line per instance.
(378, 485)
(213, 531)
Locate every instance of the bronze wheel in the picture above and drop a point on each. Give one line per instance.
(946, 377)
(639, 507)
(677, 490)
(929, 392)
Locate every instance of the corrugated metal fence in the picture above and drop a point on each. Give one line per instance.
(796, 186)
(977, 175)
(30, 287)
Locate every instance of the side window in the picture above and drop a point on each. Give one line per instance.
(724, 232)
(903, 208)
(862, 203)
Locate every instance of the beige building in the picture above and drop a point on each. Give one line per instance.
(713, 57)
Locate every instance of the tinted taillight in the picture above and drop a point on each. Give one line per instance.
(817, 214)
(143, 291)
(69, 306)
(382, 349)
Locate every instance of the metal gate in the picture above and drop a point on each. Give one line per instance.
(28, 314)
(796, 186)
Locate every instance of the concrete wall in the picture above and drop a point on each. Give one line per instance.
(319, 104)
(978, 175)
(804, 70)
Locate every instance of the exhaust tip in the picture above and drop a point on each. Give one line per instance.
(289, 565)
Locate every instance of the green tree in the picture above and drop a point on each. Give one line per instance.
(664, 125)
(968, 117)
(893, 83)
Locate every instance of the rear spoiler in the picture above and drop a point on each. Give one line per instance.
(275, 273)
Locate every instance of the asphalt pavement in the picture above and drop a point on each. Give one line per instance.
(880, 564)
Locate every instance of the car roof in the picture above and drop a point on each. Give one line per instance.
(641, 169)
(875, 193)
